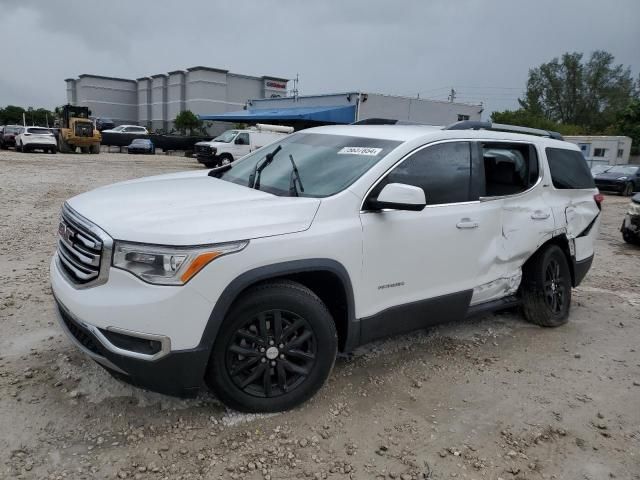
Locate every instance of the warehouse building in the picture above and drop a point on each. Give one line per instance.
(156, 100)
(349, 107)
(603, 149)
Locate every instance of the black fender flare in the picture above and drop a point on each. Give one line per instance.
(261, 274)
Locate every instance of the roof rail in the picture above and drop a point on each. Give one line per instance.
(385, 121)
(500, 127)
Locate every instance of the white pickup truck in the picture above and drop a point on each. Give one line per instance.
(235, 144)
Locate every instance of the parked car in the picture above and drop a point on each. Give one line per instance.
(624, 179)
(130, 129)
(631, 225)
(104, 123)
(141, 145)
(235, 144)
(252, 276)
(36, 138)
(596, 169)
(8, 136)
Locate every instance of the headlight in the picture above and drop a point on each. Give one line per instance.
(634, 209)
(622, 178)
(163, 265)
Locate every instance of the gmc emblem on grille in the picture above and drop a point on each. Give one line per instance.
(65, 232)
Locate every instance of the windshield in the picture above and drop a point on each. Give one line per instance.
(327, 164)
(623, 170)
(226, 137)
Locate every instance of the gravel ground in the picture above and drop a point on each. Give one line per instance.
(493, 398)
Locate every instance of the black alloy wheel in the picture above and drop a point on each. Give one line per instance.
(546, 287)
(271, 354)
(554, 287)
(274, 350)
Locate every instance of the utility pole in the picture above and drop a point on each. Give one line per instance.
(295, 87)
(452, 95)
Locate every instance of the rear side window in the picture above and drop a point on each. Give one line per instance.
(509, 169)
(569, 169)
(443, 171)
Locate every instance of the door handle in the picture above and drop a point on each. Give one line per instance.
(467, 223)
(540, 215)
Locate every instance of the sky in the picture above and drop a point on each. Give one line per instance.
(481, 48)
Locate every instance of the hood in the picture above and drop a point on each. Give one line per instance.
(191, 208)
(611, 176)
(211, 143)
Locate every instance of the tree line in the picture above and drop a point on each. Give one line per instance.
(12, 115)
(580, 96)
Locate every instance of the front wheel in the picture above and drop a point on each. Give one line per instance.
(546, 288)
(627, 191)
(274, 350)
(225, 159)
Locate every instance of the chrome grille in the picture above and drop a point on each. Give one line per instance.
(84, 250)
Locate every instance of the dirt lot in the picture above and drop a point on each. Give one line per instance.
(486, 399)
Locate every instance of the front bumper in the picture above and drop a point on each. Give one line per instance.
(631, 224)
(610, 185)
(176, 373)
(175, 317)
(206, 158)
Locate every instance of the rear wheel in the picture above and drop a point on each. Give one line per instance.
(274, 350)
(53, 150)
(94, 149)
(627, 191)
(546, 288)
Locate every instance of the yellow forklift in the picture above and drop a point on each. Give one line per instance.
(75, 129)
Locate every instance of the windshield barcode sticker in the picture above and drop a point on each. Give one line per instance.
(372, 152)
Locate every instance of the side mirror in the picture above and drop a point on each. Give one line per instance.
(400, 196)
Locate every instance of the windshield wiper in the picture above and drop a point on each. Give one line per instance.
(218, 171)
(254, 179)
(295, 177)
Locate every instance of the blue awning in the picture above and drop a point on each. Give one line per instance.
(340, 114)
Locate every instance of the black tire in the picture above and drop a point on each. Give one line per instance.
(627, 191)
(546, 288)
(289, 342)
(94, 149)
(210, 164)
(19, 148)
(224, 159)
(629, 237)
(63, 146)
(53, 150)
(3, 147)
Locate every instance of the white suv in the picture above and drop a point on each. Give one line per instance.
(36, 138)
(253, 275)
